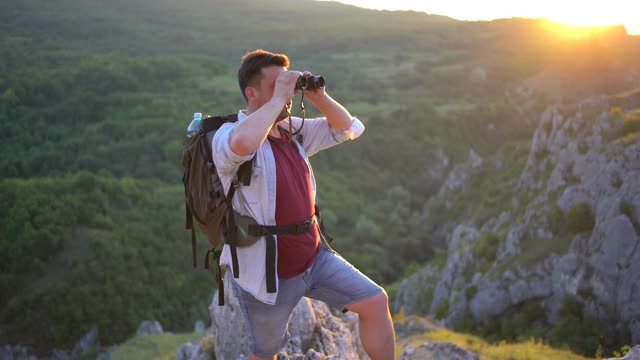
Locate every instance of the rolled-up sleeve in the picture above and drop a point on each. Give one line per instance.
(319, 135)
(354, 131)
(226, 161)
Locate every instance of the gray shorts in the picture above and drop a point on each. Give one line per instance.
(330, 279)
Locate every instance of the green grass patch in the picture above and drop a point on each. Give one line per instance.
(631, 122)
(579, 219)
(153, 347)
(529, 350)
(628, 139)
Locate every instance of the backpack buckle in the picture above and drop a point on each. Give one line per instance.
(303, 227)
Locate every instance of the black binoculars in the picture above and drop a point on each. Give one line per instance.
(310, 82)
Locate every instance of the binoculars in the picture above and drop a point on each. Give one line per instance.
(310, 82)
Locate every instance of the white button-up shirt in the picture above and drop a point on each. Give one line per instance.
(259, 199)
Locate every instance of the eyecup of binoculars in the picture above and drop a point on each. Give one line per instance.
(310, 82)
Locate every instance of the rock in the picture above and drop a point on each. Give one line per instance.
(437, 350)
(522, 290)
(199, 326)
(106, 353)
(416, 292)
(88, 342)
(196, 350)
(490, 300)
(633, 354)
(460, 175)
(313, 326)
(635, 332)
(149, 327)
(313, 355)
(15, 352)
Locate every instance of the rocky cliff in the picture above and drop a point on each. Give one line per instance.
(568, 228)
(317, 332)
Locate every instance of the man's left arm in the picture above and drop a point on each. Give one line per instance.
(338, 117)
(336, 127)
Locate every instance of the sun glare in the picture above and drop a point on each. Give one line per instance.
(585, 14)
(571, 12)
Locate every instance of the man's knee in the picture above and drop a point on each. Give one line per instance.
(377, 304)
(253, 356)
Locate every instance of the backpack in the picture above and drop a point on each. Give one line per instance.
(212, 209)
(205, 199)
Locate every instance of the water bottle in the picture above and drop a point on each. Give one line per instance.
(195, 124)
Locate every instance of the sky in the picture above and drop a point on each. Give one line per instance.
(575, 12)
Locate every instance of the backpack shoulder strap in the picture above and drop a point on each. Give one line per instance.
(214, 123)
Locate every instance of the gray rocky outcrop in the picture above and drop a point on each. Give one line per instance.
(633, 354)
(572, 161)
(436, 351)
(316, 332)
(459, 177)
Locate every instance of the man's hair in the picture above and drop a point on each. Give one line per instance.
(250, 72)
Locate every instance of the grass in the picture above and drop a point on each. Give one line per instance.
(153, 347)
(164, 346)
(530, 350)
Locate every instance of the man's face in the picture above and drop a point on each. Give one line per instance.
(265, 91)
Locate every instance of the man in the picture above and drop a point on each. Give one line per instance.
(282, 192)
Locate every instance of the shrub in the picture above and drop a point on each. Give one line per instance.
(470, 292)
(442, 310)
(630, 124)
(627, 209)
(581, 332)
(616, 110)
(580, 218)
(487, 246)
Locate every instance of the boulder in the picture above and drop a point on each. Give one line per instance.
(490, 300)
(149, 327)
(436, 351)
(316, 331)
(199, 326)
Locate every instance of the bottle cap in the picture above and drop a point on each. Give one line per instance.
(197, 115)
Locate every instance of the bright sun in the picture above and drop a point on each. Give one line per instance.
(574, 13)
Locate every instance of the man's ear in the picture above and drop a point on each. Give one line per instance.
(250, 93)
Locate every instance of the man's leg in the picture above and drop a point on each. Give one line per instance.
(376, 327)
(267, 324)
(338, 283)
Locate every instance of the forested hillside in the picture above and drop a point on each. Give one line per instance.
(95, 97)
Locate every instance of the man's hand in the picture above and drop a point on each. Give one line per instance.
(285, 86)
(337, 116)
(313, 95)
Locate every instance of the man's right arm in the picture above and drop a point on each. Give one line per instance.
(251, 132)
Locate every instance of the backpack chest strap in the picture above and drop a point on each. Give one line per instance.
(299, 228)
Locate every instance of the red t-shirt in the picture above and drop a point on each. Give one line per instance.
(294, 204)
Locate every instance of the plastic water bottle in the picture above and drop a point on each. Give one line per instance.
(195, 123)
